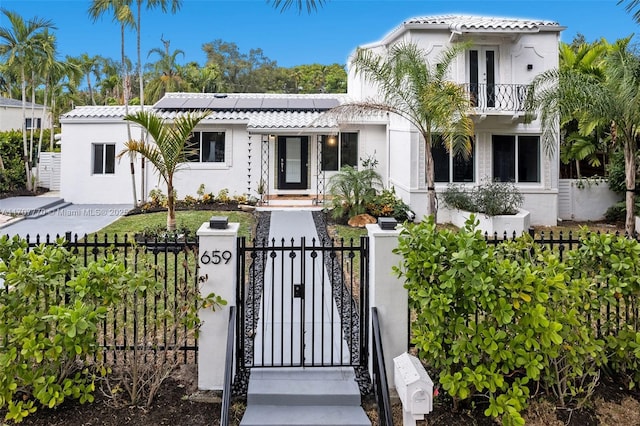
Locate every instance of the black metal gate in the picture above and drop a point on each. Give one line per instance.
(302, 305)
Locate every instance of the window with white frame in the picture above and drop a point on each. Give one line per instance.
(32, 123)
(450, 167)
(339, 151)
(206, 147)
(104, 158)
(516, 158)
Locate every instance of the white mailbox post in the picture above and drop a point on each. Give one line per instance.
(414, 387)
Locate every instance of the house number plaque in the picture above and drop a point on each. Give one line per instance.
(215, 257)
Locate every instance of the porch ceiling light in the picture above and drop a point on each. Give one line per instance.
(272, 138)
(331, 140)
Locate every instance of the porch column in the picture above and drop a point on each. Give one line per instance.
(217, 253)
(388, 295)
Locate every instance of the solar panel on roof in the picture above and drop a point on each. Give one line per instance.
(170, 103)
(275, 103)
(196, 103)
(249, 103)
(326, 103)
(222, 103)
(301, 103)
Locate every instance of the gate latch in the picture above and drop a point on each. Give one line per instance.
(298, 291)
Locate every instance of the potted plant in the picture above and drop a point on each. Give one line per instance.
(496, 205)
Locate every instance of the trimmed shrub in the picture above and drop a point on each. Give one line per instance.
(490, 198)
(495, 320)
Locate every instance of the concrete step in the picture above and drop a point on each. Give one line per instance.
(48, 207)
(304, 396)
(303, 386)
(307, 415)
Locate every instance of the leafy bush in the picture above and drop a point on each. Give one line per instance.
(13, 177)
(388, 204)
(493, 320)
(49, 319)
(490, 198)
(153, 358)
(352, 189)
(616, 172)
(611, 264)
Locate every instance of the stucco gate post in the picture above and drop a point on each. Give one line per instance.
(388, 295)
(217, 253)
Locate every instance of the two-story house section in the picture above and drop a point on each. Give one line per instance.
(503, 58)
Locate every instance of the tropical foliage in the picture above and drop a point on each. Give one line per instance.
(351, 189)
(168, 151)
(607, 99)
(419, 91)
(27, 46)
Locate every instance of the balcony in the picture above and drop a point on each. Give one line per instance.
(500, 99)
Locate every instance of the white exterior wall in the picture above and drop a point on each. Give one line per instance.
(11, 118)
(231, 175)
(78, 184)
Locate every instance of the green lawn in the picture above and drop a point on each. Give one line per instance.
(191, 219)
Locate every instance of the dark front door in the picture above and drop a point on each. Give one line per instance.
(292, 162)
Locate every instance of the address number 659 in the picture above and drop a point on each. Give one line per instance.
(215, 257)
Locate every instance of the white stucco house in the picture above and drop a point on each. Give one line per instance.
(11, 117)
(287, 145)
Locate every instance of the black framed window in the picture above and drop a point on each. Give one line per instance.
(516, 158)
(104, 158)
(452, 168)
(206, 147)
(30, 121)
(339, 151)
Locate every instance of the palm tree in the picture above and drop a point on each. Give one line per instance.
(164, 5)
(168, 153)
(19, 44)
(581, 143)
(90, 65)
(167, 76)
(409, 87)
(123, 14)
(632, 6)
(310, 5)
(613, 100)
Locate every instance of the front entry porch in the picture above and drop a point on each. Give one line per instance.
(291, 172)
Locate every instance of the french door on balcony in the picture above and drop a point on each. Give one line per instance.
(483, 76)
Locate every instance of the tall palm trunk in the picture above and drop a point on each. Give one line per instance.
(91, 95)
(42, 118)
(430, 175)
(630, 180)
(126, 90)
(25, 147)
(141, 85)
(171, 211)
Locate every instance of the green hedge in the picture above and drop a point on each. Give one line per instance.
(497, 320)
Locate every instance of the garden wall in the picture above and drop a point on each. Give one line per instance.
(585, 199)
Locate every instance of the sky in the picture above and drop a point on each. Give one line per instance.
(290, 38)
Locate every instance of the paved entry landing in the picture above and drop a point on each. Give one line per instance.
(281, 337)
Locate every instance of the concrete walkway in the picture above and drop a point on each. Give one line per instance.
(289, 326)
(52, 215)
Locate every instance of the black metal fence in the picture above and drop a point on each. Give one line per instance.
(142, 322)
